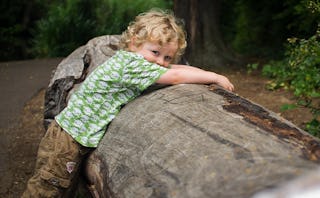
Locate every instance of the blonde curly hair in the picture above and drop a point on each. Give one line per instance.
(155, 26)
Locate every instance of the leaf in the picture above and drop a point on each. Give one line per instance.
(286, 107)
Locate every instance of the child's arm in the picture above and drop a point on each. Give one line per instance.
(179, 74)
(175, 66)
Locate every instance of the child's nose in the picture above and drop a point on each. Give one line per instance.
(160, 61)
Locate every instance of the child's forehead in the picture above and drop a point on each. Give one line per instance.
(159, 44)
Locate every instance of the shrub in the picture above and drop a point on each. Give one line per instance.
(72, 23)
(17, 19)
(63, 30)
(300, 72)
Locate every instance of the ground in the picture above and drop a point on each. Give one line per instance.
(23, 137)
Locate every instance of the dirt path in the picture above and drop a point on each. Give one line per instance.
(21, 114)
(20, 81)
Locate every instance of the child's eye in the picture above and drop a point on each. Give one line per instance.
(155, 52)
(168, 58)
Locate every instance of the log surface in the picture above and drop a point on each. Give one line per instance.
(183, 141)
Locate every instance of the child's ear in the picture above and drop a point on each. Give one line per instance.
(132, 45)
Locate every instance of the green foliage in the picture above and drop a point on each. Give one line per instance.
(252, 67)
(300, 71)
(313, 127)
(286, 107)
(259, 28)
(67, 26)
(17, 19)
(9, 42)
(252, 28)
(113, 16)
(72, 23)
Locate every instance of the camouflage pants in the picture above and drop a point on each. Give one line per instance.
(58, 161)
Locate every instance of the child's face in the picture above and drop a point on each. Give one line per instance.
(162, 55)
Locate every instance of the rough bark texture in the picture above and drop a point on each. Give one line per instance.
(190, 141)
(184, 140)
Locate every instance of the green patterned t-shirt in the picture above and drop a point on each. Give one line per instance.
(98, 100)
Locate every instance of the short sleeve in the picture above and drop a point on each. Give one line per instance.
(141, 73)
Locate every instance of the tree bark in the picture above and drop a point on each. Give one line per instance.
(207, 48)
(190, 141)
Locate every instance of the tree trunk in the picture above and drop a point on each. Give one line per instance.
(206, 47)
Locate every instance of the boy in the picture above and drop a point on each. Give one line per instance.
(150, 44)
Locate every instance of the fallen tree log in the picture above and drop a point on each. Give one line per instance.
(184, 140)
(190, 141)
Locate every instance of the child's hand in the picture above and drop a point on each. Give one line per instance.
(224, 82)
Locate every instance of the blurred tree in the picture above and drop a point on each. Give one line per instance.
(260, 28)
(205, 41)
(226, 32)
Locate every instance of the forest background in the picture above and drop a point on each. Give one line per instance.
(280, 39)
